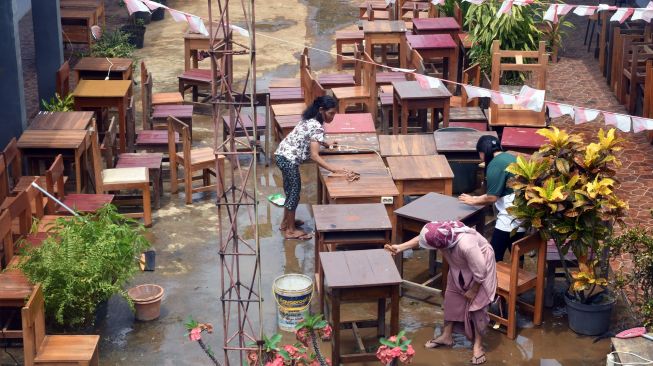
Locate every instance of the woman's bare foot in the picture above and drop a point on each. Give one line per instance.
(440, 341)
(478, 356)
(284, 226)
(297, 234)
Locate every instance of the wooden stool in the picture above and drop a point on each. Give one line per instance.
(433, 47)
(360, 276)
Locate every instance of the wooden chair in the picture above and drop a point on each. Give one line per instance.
(648, 96)
(465, 110)
(23, 210)
(372, 14)
(192, 160)
(365, 91)
(13, 161)
(158, 98)
(4, 179)
(512, 281)
(633, 75)
(6, 239)
(42, 349)
(513, 115)
(327, 80)
(196, 79)
(347, 37)
(117, 179)
(62, 80)
(153, 112)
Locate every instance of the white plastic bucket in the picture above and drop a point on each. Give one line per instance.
(293, 293)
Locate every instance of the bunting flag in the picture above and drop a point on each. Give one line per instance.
(621, 121)
(398, 69)
(177, 15)
(502, 98)
(642, 14)
(506, 8)
(602, 7)
(476, 92)
(196, 24)
(135, 5)
(558, 110)
(642, 124)
(475, 2)
(153, 5)
(242, 31)
(582, 115)
(622, 14)
(584, 10)
(437, 2)
(530, 98)
(551, 14)
(428, 82)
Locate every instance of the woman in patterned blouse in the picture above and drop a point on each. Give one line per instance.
(301, 144)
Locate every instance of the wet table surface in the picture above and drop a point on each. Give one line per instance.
(406, 145)
(354, 217)
(438, 207)
(459, 141)
(522, 138)
(61, 121)
(359, 268)
(350, 123)
(419, 167)
(353, 143)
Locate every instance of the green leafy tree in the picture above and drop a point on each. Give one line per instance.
(58, 104)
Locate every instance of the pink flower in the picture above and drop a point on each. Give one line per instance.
(403, 358)
(326, 333)
(278, 361)
(302, 336)
(292, 351)
(410, 351)
(252, 357)
(395, 352)
(195, 334)
(328, 361)
(392, 339)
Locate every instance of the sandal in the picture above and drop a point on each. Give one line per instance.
(479, 360)
(435, 344)
(301, 236)
(298, 223)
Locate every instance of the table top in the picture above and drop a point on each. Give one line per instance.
(351, 217)
(102, 88)
(14, 286)
(430, 41)
(419, 167)
(459, 141)
(359, 268)
(436, 24)
(364, 164)
(522, 137)
(376, 5)
(76, 13)
(350, 123)
(412, 90)
(384, 26)
(405, 145)
(61, 121)
(352, 143)
(101, 64)
(51, 139)
(437, 207)
(368, 186)
(190, 35)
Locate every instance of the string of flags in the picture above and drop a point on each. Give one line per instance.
(528, 98)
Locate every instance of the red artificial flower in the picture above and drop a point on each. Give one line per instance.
(395, 352)
(302, 336)
(326, 333)
(292, 351)
(392, 339)
(195, 334)
(252, 357)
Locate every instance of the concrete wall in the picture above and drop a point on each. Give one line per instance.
(22, 7)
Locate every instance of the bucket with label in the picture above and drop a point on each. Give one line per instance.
(293, 293)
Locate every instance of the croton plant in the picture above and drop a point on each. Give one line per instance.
(566, 191)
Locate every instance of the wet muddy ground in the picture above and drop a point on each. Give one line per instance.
(185, 237)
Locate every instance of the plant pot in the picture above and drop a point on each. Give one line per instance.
(136, 34)
(589, 319)
(159, 13)
(142, 15)
(147, 301)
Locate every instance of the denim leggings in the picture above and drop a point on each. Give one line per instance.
(292, 182)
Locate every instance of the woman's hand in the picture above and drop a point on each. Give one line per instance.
(467, 199)
(470, 295)
(394, 249)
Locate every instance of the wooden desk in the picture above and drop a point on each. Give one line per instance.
(434, 46)
(350, 123)
(361, 276)
(96, 5)
(97, 68)
(283, 125)
(76, 25)
(194, 42)
(445, 25)
(61, 121)
(384, 32)
(105, 94)
(359, 224)
(459, 145)
(376, 5)
(522, 139)
(49, 143)
(347, 37)
(419, 175)
(354, 143)
(409, 95)
(406, 145)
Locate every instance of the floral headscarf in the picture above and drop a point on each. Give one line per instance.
(441, 234)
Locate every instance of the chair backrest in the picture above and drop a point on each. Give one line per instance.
(358, 65)
(417, 62)
(13, 161)
(306, 79)
(63, 80)
(20, 209)
(368, 78)
(316, 89)
(4, 179)
(97, 159)
(36, 200)
(6, 238)
(54, 182)
(370, 12)
(144, 72)
(33, 318)
(130, 124)
(458, 14)
(648, 91)
(175, 125)
(96, 32)
(532, 242)
(108, 147)
(471, 76)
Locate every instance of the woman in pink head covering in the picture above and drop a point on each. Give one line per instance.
(471, 282)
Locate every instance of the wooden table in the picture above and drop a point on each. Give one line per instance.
(84, 202)
(384, 32)
(61, 121)
(194, 42)
(96, 5)
(97, 68)
(353, 143)
(359, 224)
(419, 175)
(522, 139)
(406, 145)
(350, 123)
(360, 276)
(459, 145)
(445, 25)
(376, 5)
(434, 207)
(106, 94)
(434, 46)
(49, 143)
(409, 95)
(76, 25)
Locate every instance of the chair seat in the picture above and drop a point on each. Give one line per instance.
(351, 92)
(467, 114)
(286, 95)
(526, 279)
(154, 137)
(167, 98)
(199, 156)
(378, 15)
(179, 111)
(85, 202)
(329, 81)
(67, 348)
(136, 160)
(197, 75)
(125, 175)
(387, 77)
(288, 109)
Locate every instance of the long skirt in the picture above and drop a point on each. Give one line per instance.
(456, 310)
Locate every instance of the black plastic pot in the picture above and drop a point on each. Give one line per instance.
(136, 34)
(159, 13)
(142, 15)
(589, 319)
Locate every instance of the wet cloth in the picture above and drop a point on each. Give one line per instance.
(292, 181)
(296, 147)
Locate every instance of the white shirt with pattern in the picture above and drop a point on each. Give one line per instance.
(296, 147)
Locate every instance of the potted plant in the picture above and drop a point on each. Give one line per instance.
(115, 44)
(553, 33)
(635, 245)
(135, 32)
(86, 260)
(58, 104)
(566, 191)
(159, 13)
(395, 349)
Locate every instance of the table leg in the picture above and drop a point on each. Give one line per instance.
(445, 114)
(400, 197)
(380, 328)
(321, 292)
(156, 186)
(394, 310)
(78, 173)
(339, 57)
(395, 115)
(122, 118)
(404, 118)
(335, 319)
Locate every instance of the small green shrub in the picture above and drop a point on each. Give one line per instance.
(113, 44)
(57, 104)
(87, 260)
